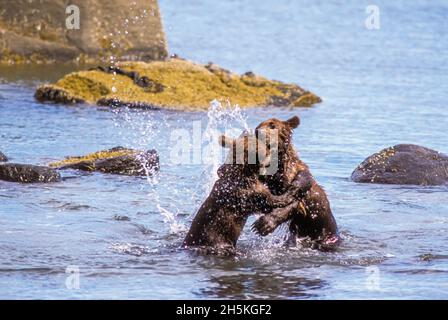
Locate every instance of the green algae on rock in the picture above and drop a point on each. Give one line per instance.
(117, 160)
(175, 84)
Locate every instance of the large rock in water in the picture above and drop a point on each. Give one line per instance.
(117, 160)
(404, 164)
(3, 158)
(36, 31)
(26, 173)
(172, 84)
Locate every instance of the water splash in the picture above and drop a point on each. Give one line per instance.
(264, 249)
(132, 249)
(171, 218)
(139, 129)
(223, 118)
(117, 38)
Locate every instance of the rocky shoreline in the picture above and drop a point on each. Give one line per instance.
(118, 160)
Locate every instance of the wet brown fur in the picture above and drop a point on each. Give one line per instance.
(310, 215)
(236, 194)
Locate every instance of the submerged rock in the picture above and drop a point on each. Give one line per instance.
(404, 164)
(3, 158)
(26, 173)
(117, 160)
(45, 31)
(172, 84)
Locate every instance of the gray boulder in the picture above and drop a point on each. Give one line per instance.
(404, 164)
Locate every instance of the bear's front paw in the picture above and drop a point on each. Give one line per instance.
(264, 225)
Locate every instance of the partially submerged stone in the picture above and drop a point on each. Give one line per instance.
(25, 173)
(172, 84)
(3, 158)
(117, 160)
(404, 164)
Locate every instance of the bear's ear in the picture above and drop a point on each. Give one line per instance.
(226, 142)
(293, 122)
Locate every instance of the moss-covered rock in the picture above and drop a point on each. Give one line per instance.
(26, 173)
(172, 84)
(117, 160)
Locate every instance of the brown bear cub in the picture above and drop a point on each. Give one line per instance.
(236, 194)
(310, 216)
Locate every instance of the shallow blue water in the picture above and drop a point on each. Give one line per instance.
(380, 88)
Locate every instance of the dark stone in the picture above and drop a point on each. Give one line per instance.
(48, 93)
(279, 101)
(136, 164)
(116, 103)
(143, 82)
(3, 158)
(150, 85)
(121, 218)
(133, 75)
(223, 74)
(26, 173)
(404, 164)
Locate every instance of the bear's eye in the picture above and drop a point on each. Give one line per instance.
(271, 126)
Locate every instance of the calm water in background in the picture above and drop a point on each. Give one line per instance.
(379, 88)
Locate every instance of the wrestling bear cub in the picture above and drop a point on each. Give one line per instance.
(310, 216)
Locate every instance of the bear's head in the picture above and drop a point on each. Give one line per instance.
(277, 134)
(247, 154)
